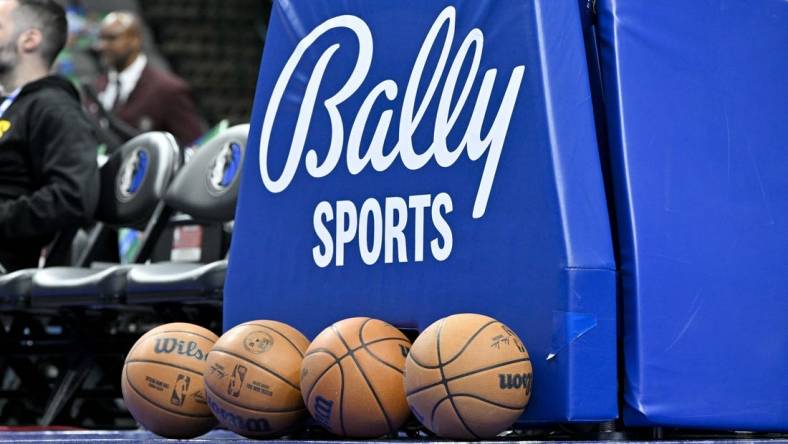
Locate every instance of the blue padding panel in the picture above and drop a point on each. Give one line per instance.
(697, 96)
(538, 254)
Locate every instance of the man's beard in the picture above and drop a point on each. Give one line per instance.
(9, 57)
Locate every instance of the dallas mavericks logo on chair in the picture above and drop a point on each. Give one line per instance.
(224, 168)
(131, 175)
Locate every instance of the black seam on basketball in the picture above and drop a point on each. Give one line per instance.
(402, 372)
(238, 404)
(376, 341)
(213, 341)
(320, 376)
(364, 345)
(435, 409)
(341, 398)
(468, 342)
(167, 364)
(300, 353)
(256, 364)
(366, 379)
(446, 383)
(155, 404)
(342, 381)
(470, 373)
(321, 350)
(503, 406)
(361, 330)
(412, 356)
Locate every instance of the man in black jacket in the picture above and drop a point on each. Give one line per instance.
(48, 173)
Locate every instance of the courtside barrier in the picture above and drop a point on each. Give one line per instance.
(697, 99)
(411, 160)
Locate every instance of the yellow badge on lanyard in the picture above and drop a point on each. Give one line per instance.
(5, 125)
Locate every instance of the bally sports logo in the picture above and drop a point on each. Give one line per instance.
(388, 221)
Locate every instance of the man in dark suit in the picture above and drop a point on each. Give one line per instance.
(141, 95)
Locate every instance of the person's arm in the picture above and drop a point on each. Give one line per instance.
(63, 151)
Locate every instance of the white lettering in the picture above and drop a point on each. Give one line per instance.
(418, 203)
(363, 62)
(408, 122)
(380, 161)
(323, 211)
(395, 231)
(371, 207)
(346, 212)
(382, 230)
(410, 117)
(439, 252)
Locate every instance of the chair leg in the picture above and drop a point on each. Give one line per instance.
(67, 387)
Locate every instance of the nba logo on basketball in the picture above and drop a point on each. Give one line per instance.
(180, 389)
(239, 373)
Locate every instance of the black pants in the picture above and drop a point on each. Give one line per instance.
(18, 257)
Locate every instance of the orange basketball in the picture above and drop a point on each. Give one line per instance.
(468, 376)
(162, 380)
(351, 378)
(252, 378)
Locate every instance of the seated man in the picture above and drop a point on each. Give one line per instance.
(141, 95)
(48, 172)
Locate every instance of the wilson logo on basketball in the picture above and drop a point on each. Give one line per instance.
(174, 345)
(516, 381)
(323, 411)
(238, 422)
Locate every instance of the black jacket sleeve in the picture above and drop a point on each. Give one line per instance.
(63, 156)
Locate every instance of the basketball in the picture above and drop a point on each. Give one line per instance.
(252, 378)
(468, 376)
(162, 380)
(351, 378)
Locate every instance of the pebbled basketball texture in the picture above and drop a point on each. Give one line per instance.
(468, 376)
(162, 380)
(252, 378)
(351, 378)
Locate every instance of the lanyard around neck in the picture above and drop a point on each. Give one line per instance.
(9, 100)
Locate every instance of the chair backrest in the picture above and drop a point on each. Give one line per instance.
(135, 178)
(133, 182)
(206, 188)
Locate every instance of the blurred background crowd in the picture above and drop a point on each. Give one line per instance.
(214, 46)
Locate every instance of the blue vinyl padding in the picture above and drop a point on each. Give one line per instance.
(539, 258)
(697, 108)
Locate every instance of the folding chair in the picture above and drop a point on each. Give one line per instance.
(50, 323)
(133, 182)
(207, 190)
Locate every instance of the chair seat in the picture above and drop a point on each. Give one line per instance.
(174, 281)
(15, 287)
(70, 286)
